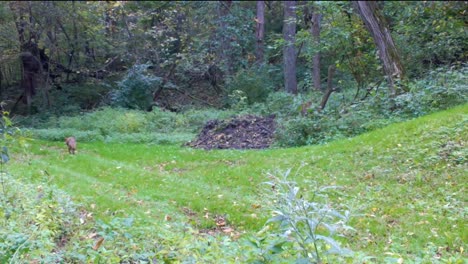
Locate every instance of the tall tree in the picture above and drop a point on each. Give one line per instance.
(378, 27)
(260, 32)
(224, 8)
(315, 30)
(312, 19)
(289, 50)
(28, 37)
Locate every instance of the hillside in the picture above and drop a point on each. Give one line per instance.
(405, 185)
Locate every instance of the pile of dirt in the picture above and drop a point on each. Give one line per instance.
(243, 132)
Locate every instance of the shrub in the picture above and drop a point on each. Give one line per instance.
(196, 119)
(58, 134)
(443, 88)
(254, 84)
(161, 121)
(282, 103)
(312, 225)
(120, 125)
(294, 131)
(154, 138)
(136, 89)
(35, 218)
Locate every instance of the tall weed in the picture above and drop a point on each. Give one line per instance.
(311, 223)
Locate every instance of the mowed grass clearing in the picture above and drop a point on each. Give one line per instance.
(406, 183)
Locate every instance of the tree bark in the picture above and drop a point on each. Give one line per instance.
(289, 50)
(315, 30)
(260, 32)
(1, 78)
(74, 43)
(328, 92)
(388, 53)
(224, 8)
(31, 65)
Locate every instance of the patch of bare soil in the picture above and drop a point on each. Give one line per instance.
(243, 132)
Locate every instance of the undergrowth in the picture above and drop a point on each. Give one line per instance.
(345, 116)
(121, 125)
(403, 184)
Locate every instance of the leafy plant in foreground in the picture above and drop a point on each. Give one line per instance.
(312, 224)
(7, 137)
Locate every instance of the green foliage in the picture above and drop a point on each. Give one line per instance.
(294, 131)
(59, 134)
(156, 203)
(428, 33)
(313, 225)
(237, 100)
(281, 104)
(254, 83)
(119, 125)
(196, 119)
(183, 40)
(7, 136)
(85, 95)
(136, 89)
(10, 137)
(343, 117)
(35, 219)
(153, 138)
(441, 89)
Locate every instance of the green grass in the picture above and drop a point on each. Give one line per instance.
(406, 183)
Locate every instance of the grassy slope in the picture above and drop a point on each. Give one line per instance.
(407, 182)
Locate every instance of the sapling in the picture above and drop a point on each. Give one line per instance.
(311, 224)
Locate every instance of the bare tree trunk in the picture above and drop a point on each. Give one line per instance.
(109, 21)
(260, 32)
(1, 78)
(74, 43)
(315, 30)
(31, 66)
(289, 50)
(223, 10)
(378, 27)
(330, 89)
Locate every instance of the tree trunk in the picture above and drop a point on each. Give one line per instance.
(224, 8)
(315, 30)
(31, 65)
(109, 21)
(289, 50)
(74, 43)
(1, 78)
(260, 32)
(378, 27)
(328, 92)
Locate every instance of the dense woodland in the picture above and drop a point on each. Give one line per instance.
(239, 74)
(66, 57)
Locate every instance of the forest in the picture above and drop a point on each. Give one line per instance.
(233, 131)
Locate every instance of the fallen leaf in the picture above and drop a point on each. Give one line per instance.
(98, 243)
(227, 229)
(256, 206)
(220, 221)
